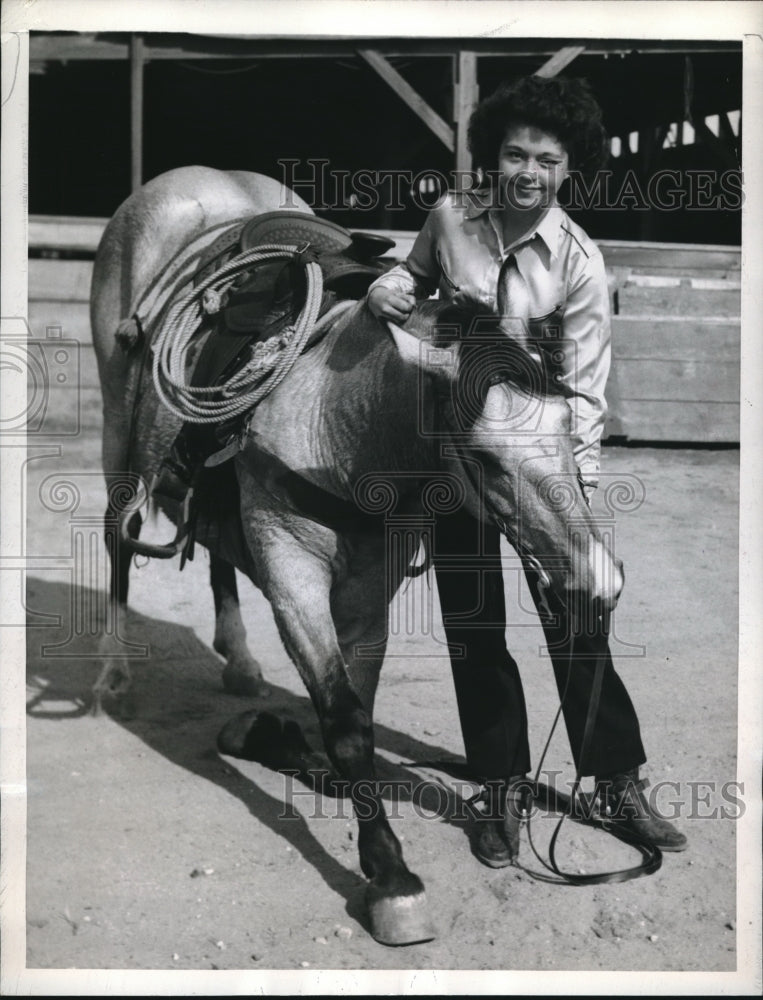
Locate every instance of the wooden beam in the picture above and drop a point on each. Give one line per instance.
(559, 60)
(136, 111)
(69, 232)
(466, 97)
(45, 47)
(405, 91)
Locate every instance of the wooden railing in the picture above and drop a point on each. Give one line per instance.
(675, 327)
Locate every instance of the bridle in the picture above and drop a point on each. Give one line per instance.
(651, 855)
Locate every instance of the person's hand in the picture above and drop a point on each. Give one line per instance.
(587, 487)
(385, 303)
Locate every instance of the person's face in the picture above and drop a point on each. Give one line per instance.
(533, 165)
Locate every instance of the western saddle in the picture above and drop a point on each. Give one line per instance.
(261, 302)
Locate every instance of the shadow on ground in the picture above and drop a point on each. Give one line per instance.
(177, 707)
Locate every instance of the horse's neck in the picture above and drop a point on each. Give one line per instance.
(376, 402)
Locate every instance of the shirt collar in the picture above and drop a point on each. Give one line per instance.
(549, 228)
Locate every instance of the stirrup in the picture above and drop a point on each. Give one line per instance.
(183, 539)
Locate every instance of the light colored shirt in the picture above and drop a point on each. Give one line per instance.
(459, 253)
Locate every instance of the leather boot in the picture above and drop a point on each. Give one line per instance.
(502, 804)
(629, 816)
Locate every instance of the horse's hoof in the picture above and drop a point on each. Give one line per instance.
(399, 920)
(243, 683)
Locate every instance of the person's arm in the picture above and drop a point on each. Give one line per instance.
(394, 294)
(587, 362)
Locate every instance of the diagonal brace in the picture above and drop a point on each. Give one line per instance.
(412, 98)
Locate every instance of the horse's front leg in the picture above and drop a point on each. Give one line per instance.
(359, 608)
(242, 674)
(297, 579)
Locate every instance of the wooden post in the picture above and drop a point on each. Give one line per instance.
(727, 133)
(136, 111)
(647, 140)
(466, 97)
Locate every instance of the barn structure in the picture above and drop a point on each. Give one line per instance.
(108, 112)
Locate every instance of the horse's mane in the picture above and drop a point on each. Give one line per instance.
(488, 355)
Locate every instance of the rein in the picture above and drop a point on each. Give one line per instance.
(651, 856)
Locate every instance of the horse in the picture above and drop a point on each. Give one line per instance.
(372, 416)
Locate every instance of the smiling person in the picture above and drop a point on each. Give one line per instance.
(525, 139)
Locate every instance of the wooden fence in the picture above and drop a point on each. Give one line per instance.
(676, 329)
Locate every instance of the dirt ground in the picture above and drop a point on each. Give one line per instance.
(149, 850)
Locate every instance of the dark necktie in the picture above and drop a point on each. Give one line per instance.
(513, 299)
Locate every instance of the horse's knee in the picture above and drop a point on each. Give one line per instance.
(348, 735)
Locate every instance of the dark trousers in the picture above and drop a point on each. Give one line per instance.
(491, 701)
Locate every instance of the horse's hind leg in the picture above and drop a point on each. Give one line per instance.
(115, 678)
(242, 674)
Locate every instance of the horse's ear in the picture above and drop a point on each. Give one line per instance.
(434, 356)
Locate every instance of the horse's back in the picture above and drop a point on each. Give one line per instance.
(146, 232)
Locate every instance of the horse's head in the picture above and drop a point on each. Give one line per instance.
(504, 429)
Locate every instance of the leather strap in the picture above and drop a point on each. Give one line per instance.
(651, 856)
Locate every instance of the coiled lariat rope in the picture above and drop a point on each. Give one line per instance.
(271, 359)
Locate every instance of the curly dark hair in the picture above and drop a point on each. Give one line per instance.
(564, 107)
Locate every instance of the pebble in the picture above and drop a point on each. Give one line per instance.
(431, 732)
(654, 937)
(729, 925)
(305, 965)
(320, 940)
(175, 957)
(345, 933)
(221, 945)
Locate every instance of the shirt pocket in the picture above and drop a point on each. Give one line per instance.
(547, 334)
(548, 327)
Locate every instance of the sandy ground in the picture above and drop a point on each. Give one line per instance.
(149, 850)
